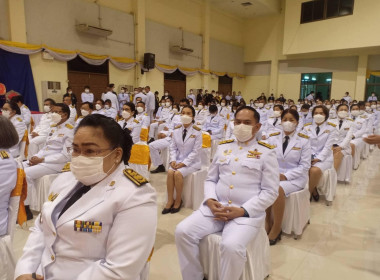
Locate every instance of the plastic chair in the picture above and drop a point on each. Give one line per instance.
(345, 169)
(327, 185)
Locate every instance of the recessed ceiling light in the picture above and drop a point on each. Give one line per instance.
(246, 4)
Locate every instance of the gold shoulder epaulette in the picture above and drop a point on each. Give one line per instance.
(178, 126)
(19, 119)
(69, 126)
(332, 124)
(135, 177)
(226, 141)
(306, 124)
(350, 120)
(303, 135)
(145, 114)
(196, 128)
(274, 134)
(25, 106)
(269, 146)
(136, 121)
(4, 154)
(53, 125)
(66, 168)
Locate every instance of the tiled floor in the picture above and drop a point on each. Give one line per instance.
(342, 241)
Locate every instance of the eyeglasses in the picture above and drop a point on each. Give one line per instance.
(87, 152)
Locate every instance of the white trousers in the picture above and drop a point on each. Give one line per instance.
(155, 148)
(153, 130)
(233, 247)
(35, 145)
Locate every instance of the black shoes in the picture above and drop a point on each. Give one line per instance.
(176, 210)
(278, 238)
(315, 196)
(150, 140)
(167, 210)
(159, 169)
(29, 214)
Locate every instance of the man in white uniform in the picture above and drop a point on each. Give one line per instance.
(150, 102)
(140, 93)
(242, 183)
(111, 96)
(25, 112)
(73, 110)
(87, 96)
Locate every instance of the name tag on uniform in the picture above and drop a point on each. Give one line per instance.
(326, 131)
(347, 128)
(52, 196)
(192, 136)
(296, 148)
(61, 135)
(87, 226)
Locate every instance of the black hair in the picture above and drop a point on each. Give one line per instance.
(191, 108)
(8, 134)
(52, 102)
(185, 100)
(223, 99)
(14, 107)
(112, 132)
(256, 115)
(361, 103)
(278, 106)
(324, 109)
(132, 107)
(170, 98)
(90, 105)
(176, 105)
(294, 113)
(111, 85)
(86, 87)
(213, 109)
(305, 106)
(340, 105)
(142, 102)
(18, 98)
(64, 108)
(108, 101)
(101, 101)
(67, 89)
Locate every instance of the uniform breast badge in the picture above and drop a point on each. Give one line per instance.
(254, 154)
(87, 226)
(52, 196)
(227, 152)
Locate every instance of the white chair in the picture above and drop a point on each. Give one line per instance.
(41, 193)
(193, 189)
(258, 257)
(345, 169)
(327, 185)
(365, 151)
(214, 147)
(206, 157)
(165, 154)
(297, 212)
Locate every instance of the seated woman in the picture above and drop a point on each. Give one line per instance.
(273, 123)
(185, 157)
(85, 229)
(293, 155)
(8, 167)
(12, 112)
(322, 137)
(359, 130)
(128, 121)
(345, 128)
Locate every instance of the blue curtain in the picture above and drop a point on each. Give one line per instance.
(16, 74)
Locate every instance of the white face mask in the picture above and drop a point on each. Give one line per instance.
(223, 104)
(46, 109)
(191, 92)
(260, 105)
(136, 92)
(373, 106)
(167, 104)
(319, 119)
(56, 118)
(175, 110)
(361, 112)
(70, 92)
(185, 119)
(355, 113)
(84, 112)
(342, 114)
(140, 109)
(276, 114)
(88, 170)
(288, 126)
(98, 107)
(367, 108)
(162, 104)
(166, 93)
(7, 114)
(243, 132)
(328, 106)
(125, 114)
(200, 107)
(87, 90)
(107, 106)
(144, 91)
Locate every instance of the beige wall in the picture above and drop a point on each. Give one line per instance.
(342, 82)
(155, 79)
(121, 77)
(238, 84)
(193, 82)
(254, 86)
(226, 28)
(289, 85)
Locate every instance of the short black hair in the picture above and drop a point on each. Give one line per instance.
(256, 115)
(86, 87)
(305, 106)
(341, 105)
(279, 106)
(294, 113)
(64, 108)
(324, 109)
(132, 107)
(185, 100)
(90, 105)
(142, 102)
(353, 105)
(361, 104)
(191, 108)
(112, 132)
(18, 98)
(101, 101)
(213, 109)
(52, 102)
(14, 107)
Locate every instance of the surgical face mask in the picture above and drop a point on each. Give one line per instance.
(355, 113)
(166, 93)
(56, 118)
(276, 114)
(98, 107)
(319, 118)
(367, 108)
(87, 90)
(88, 170)
(162, 104)
(84, 112)
(223, 104)
(200, 107)
(328, 106)
(185, 119)
(136, 92)
(288, 126)
(122, 91)
(243, 132)
(260, 105)
(342, 114)
(167, 104)
(46, 108)
(191, 92)
(175, 110)
(70, 92)
(107, 106)
(361, 112)
(7, 114)
(373, 106)
(140, 109)
(125, 114)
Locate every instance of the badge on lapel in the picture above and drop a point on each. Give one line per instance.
(192, 136)
(52, 196)
(296, 148)
(326, 131)
(254, 154)
(87, 226)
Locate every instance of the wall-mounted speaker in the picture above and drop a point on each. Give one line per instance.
(149, 60)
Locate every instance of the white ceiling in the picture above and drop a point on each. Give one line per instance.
(258, 7)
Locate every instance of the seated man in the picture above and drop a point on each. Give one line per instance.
(111, 112)
(157, 125)
(73, 110)
(249, 169)
(39, 134)
(54, 154)
(99, 107)
(25, 112)
(86, 109)
(214, 124)
(142, 116)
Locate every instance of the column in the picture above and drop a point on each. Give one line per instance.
(206, 43)
(139, 17)
(17, 25)
(361, 77)
(273, 83)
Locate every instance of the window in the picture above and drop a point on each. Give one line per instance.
(373, 85)
(320, 83)
(325, 9)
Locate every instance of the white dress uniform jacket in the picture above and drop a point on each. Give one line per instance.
(73, 114)
(102, 111)
(87, 97)
(111, 113)
(111, 96)
(8, 178)
(192, 97)
(201, 116)
(123, 98)
(20, 127)
(344, 135)
(25, 114)
(134, 126)
(142, 95)
(224, 112)
(294, 163)
(216, 125)
(321, 144)
(150, 104)
(269, 126)
(128, 217)
(144, 119)
(43, 128)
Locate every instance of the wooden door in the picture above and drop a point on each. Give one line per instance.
(224, 89)
(176, 88)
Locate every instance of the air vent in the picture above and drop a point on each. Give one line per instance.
(246, 4)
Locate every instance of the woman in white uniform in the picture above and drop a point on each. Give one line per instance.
(185, 157)
(322, 137)
(293, 155)
(12, 112)
(100, 220)
(128, 114)
(273, 124)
